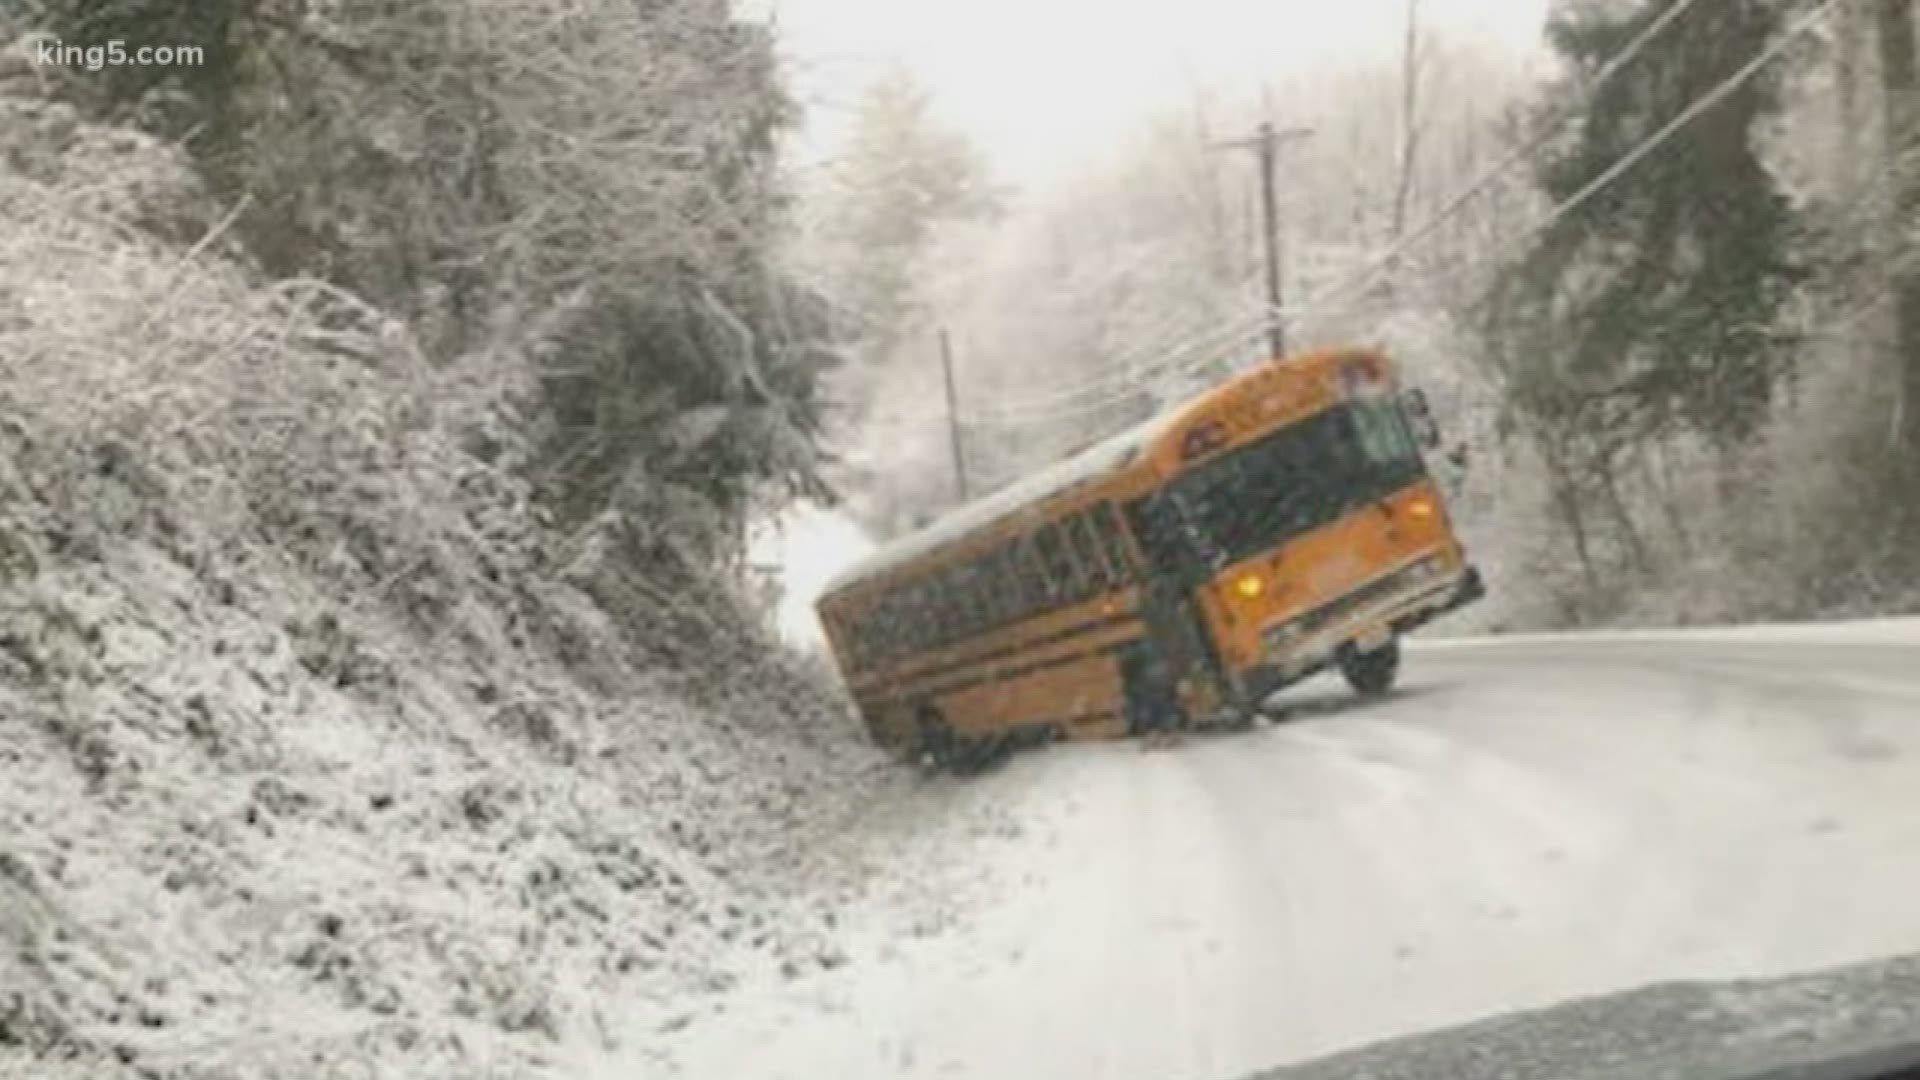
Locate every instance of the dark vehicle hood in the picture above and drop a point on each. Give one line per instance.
(1851, 1023)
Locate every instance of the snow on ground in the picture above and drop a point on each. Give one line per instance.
(1849, 631)
(1526, 821)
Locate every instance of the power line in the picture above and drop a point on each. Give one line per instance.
(1207, 331)
(1651, 143)
(1480, 184)
(1474, 188)
(1612, 173)
(1118, 388)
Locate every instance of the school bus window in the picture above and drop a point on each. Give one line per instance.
(959, 616)
(893, 625)
(1056, 566)
(1154, 522)
(987, 584)
(1382, 432)
(1092, 553)
(884, 622)
(972, 615)
(867, 631)
(1107, 527)
(1015, 582)
(1092, 561)
(927, 624)
(902, 624)
(1085, 569)
(880, 625)
(1106, 532)
(945, 602)
(922, 622)
(980, 587)
(1019, 581)
(1087, 556)
(1031, 575)
(927, 621)
(983, 594)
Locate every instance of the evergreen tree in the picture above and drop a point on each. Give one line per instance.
(1652, 307)
(902, 175)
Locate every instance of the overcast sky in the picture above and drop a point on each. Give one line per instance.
(1040, 84)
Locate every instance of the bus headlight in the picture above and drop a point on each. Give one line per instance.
(1249, 586)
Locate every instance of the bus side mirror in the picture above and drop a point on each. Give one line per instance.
(1413, 403)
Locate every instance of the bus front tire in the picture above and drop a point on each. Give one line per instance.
(1371, 673)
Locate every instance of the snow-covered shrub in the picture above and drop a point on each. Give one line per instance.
(321, 750)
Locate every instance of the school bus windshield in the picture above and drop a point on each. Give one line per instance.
(1288, 483)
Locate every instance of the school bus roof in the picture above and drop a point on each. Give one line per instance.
(1101, 459)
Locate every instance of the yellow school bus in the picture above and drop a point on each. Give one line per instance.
(1180, 572)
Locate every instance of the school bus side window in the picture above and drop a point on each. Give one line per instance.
(868, 631)
(1092, 555)
(973, 602)
(857, 638)
(928, 616)
(1015, 582)
(988, 583)
(1087, 572)
(928, 612)
(900, 632)
(1056, 565)
(1030, 573)
(960, 600)
(931, 597)
(941, 614)
(981, 585)
(873, 631)
(956, 620)
(1109, 530)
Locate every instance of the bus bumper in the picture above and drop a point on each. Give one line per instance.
(1284, 666)
(1470, 587)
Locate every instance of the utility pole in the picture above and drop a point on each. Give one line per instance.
(953, 416)
(1266, 143)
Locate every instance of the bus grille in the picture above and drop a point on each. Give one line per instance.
(1367, 595)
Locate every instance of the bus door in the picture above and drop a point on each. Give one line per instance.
(1177, 649)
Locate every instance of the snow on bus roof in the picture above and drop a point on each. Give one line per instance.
(1056, 479)
(1097, 460)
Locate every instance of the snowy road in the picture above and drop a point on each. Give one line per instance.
(1526, 821)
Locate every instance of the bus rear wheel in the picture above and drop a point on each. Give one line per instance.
(1371, 673)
